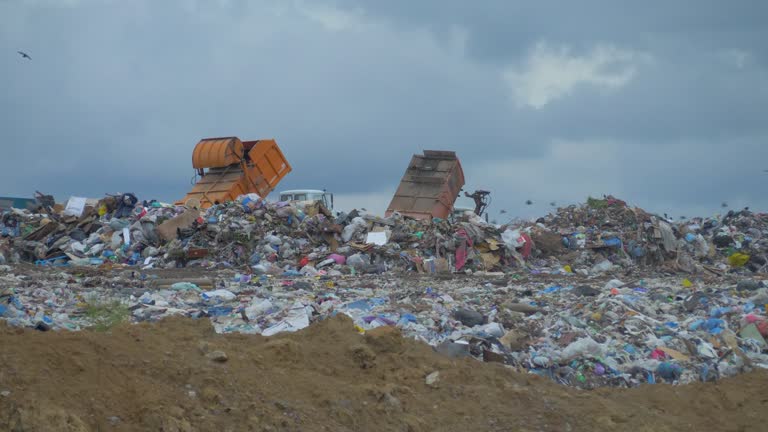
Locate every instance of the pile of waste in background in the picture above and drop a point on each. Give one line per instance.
(600, 234)
(284, 238)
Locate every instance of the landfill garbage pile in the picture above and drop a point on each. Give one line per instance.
(261, 237)
(258, 236)
(579, 331)
(605, 234)
(594, 295)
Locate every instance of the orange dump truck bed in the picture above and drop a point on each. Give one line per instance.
(229, 168)
(429, 187)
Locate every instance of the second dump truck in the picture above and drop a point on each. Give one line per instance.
(429, 187)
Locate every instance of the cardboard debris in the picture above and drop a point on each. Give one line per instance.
(167, 229)
(677, 355)
(436, 265)
(490, 260)
(44, 231)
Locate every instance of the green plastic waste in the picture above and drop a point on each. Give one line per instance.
(185, 286)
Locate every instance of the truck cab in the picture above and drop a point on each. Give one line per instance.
(459, 211)
(308, 196)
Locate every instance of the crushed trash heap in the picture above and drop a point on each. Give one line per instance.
(600, 294)
(281, 237)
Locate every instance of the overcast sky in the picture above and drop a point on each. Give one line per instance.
(664, 104)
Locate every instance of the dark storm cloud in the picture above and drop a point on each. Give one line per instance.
(501, 29)
(661, 103)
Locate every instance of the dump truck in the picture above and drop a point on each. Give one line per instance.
(430, 186)
(228, 168)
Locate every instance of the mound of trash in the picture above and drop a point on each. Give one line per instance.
(600, 294)
(604, 234)
(576, 330)
(286, 238)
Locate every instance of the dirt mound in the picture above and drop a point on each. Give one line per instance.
(179, 375)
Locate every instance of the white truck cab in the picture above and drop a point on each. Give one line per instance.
(308, 196)
(459, 211)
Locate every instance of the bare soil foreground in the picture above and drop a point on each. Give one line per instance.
(178, 375)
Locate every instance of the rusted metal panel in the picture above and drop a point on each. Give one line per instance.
(217, 152)
(429, 187)
(220, 185)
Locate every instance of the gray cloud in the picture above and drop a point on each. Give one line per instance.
(662, 104)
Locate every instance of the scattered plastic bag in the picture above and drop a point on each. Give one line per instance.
(602, 267)
(585, 347)
(185, 286)
(258, 309)
(218, 295)
(512, 239)
(357, 225)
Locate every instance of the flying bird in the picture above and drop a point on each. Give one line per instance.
(24, 55)
(528, 202)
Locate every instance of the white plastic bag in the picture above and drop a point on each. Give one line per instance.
(258, 309)
(218, 295)
(357, 225)
(585, 347)
(602, 267)
(513, 239)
